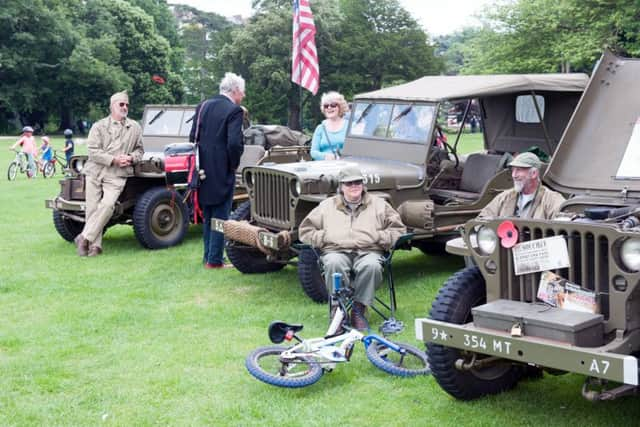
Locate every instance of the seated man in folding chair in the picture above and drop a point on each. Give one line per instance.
(352, 230)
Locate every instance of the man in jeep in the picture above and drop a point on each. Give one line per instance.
(353, 229)
(528, 198)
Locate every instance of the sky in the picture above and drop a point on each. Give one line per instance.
(437, 17)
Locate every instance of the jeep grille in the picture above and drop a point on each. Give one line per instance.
(273, 204)
(588, 256)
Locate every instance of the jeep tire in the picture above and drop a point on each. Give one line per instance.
(246, 259)
(160, 218)
(462, 291)
(310, 276)
(67, 228)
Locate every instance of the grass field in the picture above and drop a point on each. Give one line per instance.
(139, 337)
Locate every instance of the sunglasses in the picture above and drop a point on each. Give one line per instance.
(123, 104)
(352, 183)
(325, 106)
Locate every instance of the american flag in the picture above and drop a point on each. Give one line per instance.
(304, 67)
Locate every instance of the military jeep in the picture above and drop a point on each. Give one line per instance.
(558, 295)
(159, 214)
(393, 138)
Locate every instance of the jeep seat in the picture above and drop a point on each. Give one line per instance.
(479, 169)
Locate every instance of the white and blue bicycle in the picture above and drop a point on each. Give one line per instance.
(304, 363)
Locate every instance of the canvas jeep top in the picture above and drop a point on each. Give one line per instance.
(160, 214)
(392, 138)
(566, 297)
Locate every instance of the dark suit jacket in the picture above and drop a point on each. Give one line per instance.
(220, 145)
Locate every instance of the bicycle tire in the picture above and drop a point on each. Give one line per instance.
(12, 172)
(49, 169)
(413, 364)
(256, 366)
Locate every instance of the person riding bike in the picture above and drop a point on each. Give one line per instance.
(28, 143)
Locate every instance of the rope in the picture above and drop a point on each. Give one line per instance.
(243, 232)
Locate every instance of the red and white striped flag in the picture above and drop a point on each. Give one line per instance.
(304, 66)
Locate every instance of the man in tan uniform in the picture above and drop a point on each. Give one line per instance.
(528, 198)
(114, 145)
(353, 229)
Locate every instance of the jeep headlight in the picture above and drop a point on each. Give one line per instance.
(296, 187)
(630, 254)
(78, 165)
(487, 240)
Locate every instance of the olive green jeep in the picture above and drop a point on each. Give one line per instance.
(159, 213)
(394, 138)
(559, 295)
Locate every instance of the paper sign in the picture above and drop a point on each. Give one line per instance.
(549, 253)
(559, 292)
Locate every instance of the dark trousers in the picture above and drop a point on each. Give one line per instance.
(214, 241)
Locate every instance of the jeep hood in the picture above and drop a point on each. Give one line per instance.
(379, 174)
(599, 152)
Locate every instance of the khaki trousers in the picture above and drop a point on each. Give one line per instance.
(102, 193)
(366, 268)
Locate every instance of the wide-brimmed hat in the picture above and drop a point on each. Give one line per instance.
(350, 174)
(526, 160)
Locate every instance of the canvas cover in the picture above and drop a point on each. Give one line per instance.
(599, 152)
(441, 88)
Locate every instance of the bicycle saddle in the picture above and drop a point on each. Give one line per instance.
(278, 330)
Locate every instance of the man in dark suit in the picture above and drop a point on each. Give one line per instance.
(218, 131)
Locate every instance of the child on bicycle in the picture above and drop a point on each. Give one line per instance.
(47, 151)
(28, 143)
(68, 144)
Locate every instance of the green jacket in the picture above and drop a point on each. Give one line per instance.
(108, 138)
(546, 204)
(330, 226)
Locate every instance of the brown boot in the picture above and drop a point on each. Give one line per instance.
(82, 245)
(358, 319)
(94, 250)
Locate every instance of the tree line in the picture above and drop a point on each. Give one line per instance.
(61, 59)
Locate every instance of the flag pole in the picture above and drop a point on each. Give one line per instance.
(300, 117)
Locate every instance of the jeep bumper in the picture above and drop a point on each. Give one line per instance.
(594, 362)
(60, 204)
(267, 239)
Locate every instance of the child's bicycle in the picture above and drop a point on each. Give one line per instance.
(49, 167)
(19, 164)
(305, 362)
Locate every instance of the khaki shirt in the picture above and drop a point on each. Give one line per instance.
(108, 138)
(545, 204)
(331, 226)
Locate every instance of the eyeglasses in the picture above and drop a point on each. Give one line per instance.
(123, 104)
(325, 106)
(352, 183)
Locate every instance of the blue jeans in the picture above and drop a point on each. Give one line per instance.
(214, 241)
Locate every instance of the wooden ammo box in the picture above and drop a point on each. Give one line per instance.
(543, 321)
(72, 188)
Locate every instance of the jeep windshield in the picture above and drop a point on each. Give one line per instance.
(401, 122)
(167, 121)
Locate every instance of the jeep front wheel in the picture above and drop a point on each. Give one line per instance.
(66, 227)
(461, 292)
(310, 276)
(246, 259)
(160, 219)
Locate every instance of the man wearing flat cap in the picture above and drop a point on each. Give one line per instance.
(352, 230)
(114, 145)
(528, 198)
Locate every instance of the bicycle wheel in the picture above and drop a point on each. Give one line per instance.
(13, 171)
(414, 362)
(49, 169)
(264, 364)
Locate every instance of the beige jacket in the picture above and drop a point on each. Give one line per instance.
(108, 138)
(330, 226)
(546, 204)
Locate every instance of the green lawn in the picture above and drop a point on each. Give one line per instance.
(139, 337)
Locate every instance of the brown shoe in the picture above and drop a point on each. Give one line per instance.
(82, 245)
(94, 250)
(210, 266)
(358, 319)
